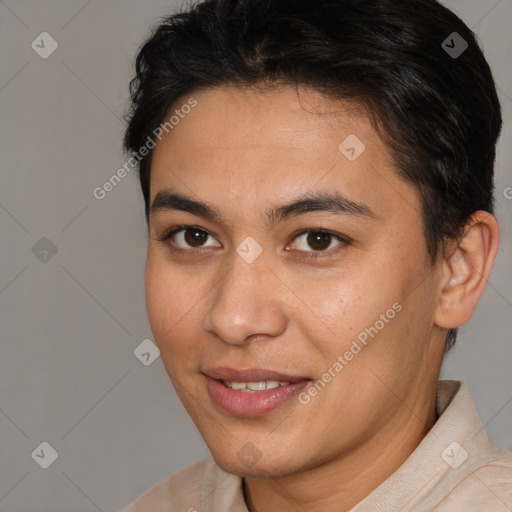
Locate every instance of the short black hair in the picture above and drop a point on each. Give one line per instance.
(437, 111)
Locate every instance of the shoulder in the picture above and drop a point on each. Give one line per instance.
(481, 478)
(181, 490)
(486, 487)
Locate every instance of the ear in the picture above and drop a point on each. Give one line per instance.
(466, 270)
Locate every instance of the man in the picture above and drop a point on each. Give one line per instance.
(318, 188)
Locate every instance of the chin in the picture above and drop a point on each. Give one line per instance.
(250, 462)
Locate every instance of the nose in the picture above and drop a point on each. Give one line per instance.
(245, 305)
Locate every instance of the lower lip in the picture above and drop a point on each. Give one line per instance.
(250, 405)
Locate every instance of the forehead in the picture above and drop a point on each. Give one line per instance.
(287, 120)
(267, 146)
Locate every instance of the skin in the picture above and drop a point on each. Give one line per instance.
(244, 152)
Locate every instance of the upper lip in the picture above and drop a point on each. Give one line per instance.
(249, 375)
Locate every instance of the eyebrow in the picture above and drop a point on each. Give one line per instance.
(332, 202)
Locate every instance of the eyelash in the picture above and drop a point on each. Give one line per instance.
(345, 240)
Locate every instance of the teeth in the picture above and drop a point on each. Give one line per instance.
(254, 387)
(257, 386)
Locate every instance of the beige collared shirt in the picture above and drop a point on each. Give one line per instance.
(454, 469)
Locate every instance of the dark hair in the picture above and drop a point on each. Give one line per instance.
(437, 111)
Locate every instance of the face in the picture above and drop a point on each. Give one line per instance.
(294, 268)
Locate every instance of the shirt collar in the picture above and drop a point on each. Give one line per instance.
(437, 460)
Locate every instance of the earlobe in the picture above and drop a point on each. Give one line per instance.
(466, 271)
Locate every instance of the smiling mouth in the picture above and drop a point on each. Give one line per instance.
(254, 387)
(251, 376)
(252, 392)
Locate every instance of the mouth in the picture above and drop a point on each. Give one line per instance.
(253, 392)
(254, 387)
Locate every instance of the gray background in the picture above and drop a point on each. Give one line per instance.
(69, 325)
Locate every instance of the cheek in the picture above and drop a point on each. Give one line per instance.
(365, 304)
(343, 307)
(174, 304)
(167, 303)
(158, 295)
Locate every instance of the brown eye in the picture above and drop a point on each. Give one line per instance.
(195, 237)
(182, 238)
(317, 241)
